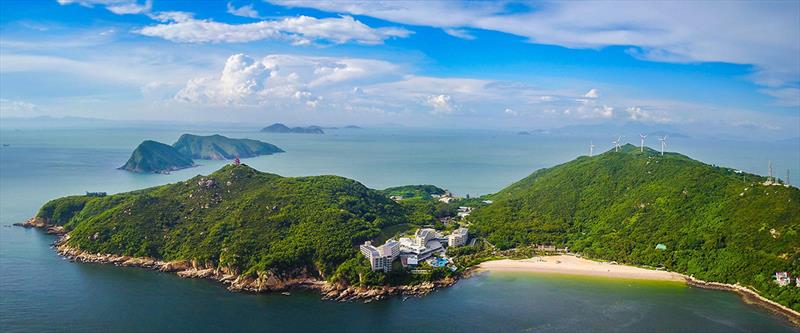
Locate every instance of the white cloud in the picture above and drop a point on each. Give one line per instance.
(510, 112)
(119, 7)
(788, 97)
(762, 34)
(593, 93)
(459, 33)
(243, 11)
(301, 30)
(283, 79)
(13, 108)
(441, 104)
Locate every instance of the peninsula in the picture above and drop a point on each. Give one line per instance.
(259, 232)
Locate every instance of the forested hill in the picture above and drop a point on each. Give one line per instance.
(236, 217)
(155, 157)
(714, 223)
(218, 147)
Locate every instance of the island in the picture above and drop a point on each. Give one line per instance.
(281, 128)
(676, 217)
(155, 157)
(218, 147)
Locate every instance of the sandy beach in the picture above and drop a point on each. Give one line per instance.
(564, 264)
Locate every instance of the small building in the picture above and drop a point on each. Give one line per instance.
(396, 197)
(464, 211)
(381, 257)
(458, 237)
(783, 278)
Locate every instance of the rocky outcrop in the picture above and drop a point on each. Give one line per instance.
(37, 222)
(263, 282)
(344, 293)
(749, 296)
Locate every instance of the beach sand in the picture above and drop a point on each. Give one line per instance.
(564, 264)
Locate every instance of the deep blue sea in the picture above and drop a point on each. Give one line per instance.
(40, 292)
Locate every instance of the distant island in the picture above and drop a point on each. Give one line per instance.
(716, 227)
(155, 157)
(281, 128)
(218, 147)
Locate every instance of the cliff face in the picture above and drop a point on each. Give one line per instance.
(155, 157)
(218, 147)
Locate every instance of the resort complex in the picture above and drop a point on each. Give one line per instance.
(412, 250)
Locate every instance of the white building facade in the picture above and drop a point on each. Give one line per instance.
(381, 257)
(458, 237)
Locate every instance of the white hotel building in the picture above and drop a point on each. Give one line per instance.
(381, 257)
(412, 250)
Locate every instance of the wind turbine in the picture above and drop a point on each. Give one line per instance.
(616, 143)
(663, 140)
(591, 149)
(643, 136)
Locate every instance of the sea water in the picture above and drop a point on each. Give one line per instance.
(41, 292)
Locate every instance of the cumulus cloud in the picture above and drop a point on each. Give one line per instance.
(243, 11)
(301, 30)
(119, 7)
(763, 35)
(510, 112)
(281, 79)
(441, 104)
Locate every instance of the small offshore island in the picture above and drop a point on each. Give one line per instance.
(155, 157)
(714, 227)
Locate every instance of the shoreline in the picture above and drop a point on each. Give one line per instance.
(265, 282)
(571, 265)
(269, 282)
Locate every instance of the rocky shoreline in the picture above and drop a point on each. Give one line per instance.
(264, 282)
(749, 296)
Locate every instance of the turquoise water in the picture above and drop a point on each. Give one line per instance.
(40, 292)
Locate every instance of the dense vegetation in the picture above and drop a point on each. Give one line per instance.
(281, 128)
(155, 157)
(413, 191)
(236, 217)
(218, 147)
(717, 224)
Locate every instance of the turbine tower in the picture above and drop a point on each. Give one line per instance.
(770, 172)
(616, 143)
(787, 178)
(591, 149)
(663, 140)
(643, 136)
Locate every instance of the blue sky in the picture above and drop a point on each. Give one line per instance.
(726, 66)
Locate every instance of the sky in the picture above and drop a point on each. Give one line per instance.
(701, 67)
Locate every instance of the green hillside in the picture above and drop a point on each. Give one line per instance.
(155, 157)
(413, 191)
(218, 147)
(715, 223)
(236, 217)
